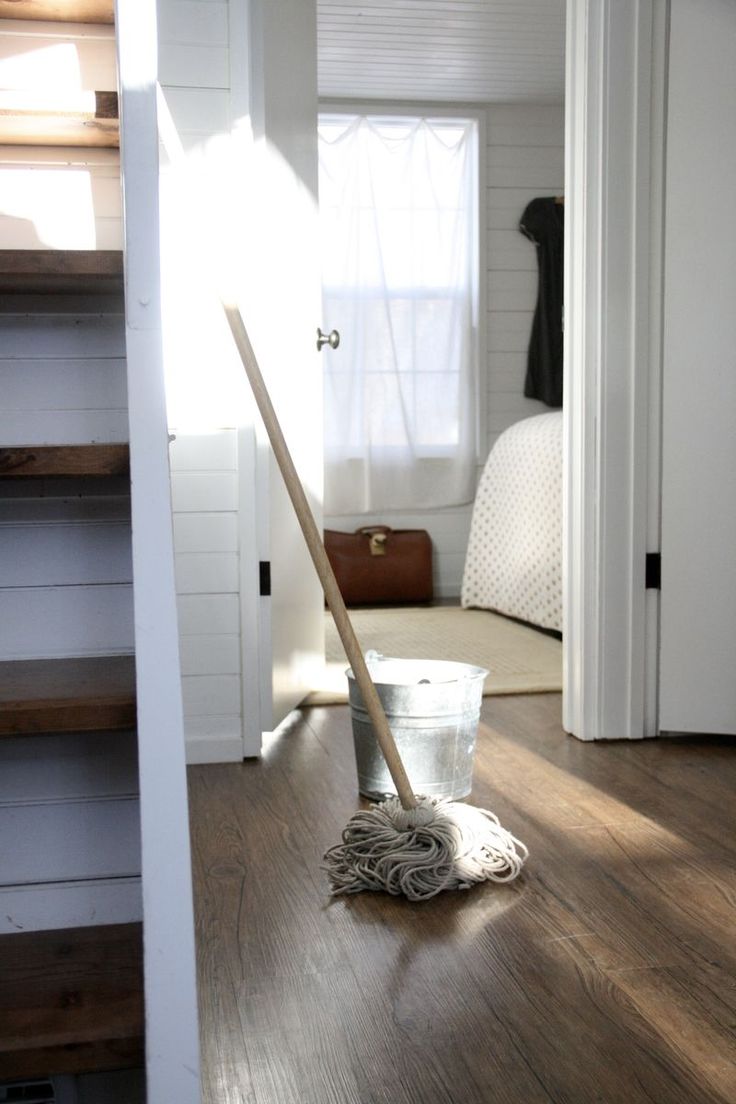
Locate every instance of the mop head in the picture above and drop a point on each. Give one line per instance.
(442, 844)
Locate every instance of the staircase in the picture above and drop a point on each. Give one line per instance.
(72, 924)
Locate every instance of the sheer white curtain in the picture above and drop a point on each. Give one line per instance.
(398, 212)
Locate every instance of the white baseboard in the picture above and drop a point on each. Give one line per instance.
(218, 749)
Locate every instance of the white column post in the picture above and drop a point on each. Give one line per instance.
(614, 145)
(172, 1038)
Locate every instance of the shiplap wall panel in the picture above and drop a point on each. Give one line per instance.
(206, 533)
(206, 573)
(207, 654)
(201, 491)
(187, 21)
(524, 158)
(206, 64)
(508, 253)
(212, 695)
(200, 113)
(205, 502)
(216, 451)
(208, 614)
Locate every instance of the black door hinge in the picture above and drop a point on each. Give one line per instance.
(264, 579)
(653, 571)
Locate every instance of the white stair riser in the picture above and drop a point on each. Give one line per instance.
(75, 765)
(70, 841)
(55, 55)
(70, 905)
(49, 622)
(65, 555)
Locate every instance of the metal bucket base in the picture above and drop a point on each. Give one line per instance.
(439, 761)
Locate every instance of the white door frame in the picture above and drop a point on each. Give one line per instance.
(615, 131)
(615, 120)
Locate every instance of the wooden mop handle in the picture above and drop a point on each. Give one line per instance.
(322, 564)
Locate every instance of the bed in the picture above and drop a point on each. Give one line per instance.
(513, 563)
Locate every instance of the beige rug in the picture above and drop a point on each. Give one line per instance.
(520, 660)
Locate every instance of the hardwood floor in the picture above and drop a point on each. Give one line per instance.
(605, 973)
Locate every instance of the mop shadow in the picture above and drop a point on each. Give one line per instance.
(458, 914)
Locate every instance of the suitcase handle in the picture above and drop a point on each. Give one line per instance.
(377, 538)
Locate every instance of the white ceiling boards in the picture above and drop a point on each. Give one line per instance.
(472, 51)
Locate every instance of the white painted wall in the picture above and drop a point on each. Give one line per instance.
(205, 393)
(524, 159)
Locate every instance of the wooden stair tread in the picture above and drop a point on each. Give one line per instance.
(85, 119)
(77, 461)
(61, 270)
(71, 1000)
(67, 695)
(59, 11)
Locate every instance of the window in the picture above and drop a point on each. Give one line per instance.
(398, 210)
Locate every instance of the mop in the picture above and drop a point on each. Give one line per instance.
(409, 844)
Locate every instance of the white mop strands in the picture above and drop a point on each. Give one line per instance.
(441, 844)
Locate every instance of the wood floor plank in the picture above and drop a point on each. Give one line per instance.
(71, 1000)
(67, 695)
(604, 973)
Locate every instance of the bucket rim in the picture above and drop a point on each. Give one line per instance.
(465, 672)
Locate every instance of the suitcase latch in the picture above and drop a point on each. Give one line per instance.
(377, 544)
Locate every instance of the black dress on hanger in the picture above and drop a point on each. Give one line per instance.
(543, 222)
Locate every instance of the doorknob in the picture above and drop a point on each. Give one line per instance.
(332, 339)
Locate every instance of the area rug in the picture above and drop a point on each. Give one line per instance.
(520, 660)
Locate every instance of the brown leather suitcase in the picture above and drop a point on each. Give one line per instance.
(377, 564)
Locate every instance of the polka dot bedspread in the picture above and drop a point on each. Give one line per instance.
(514, 559)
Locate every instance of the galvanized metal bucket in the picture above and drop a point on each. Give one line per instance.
(432, 707)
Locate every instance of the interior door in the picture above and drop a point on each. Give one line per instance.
(286, 268)
(698, 611)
